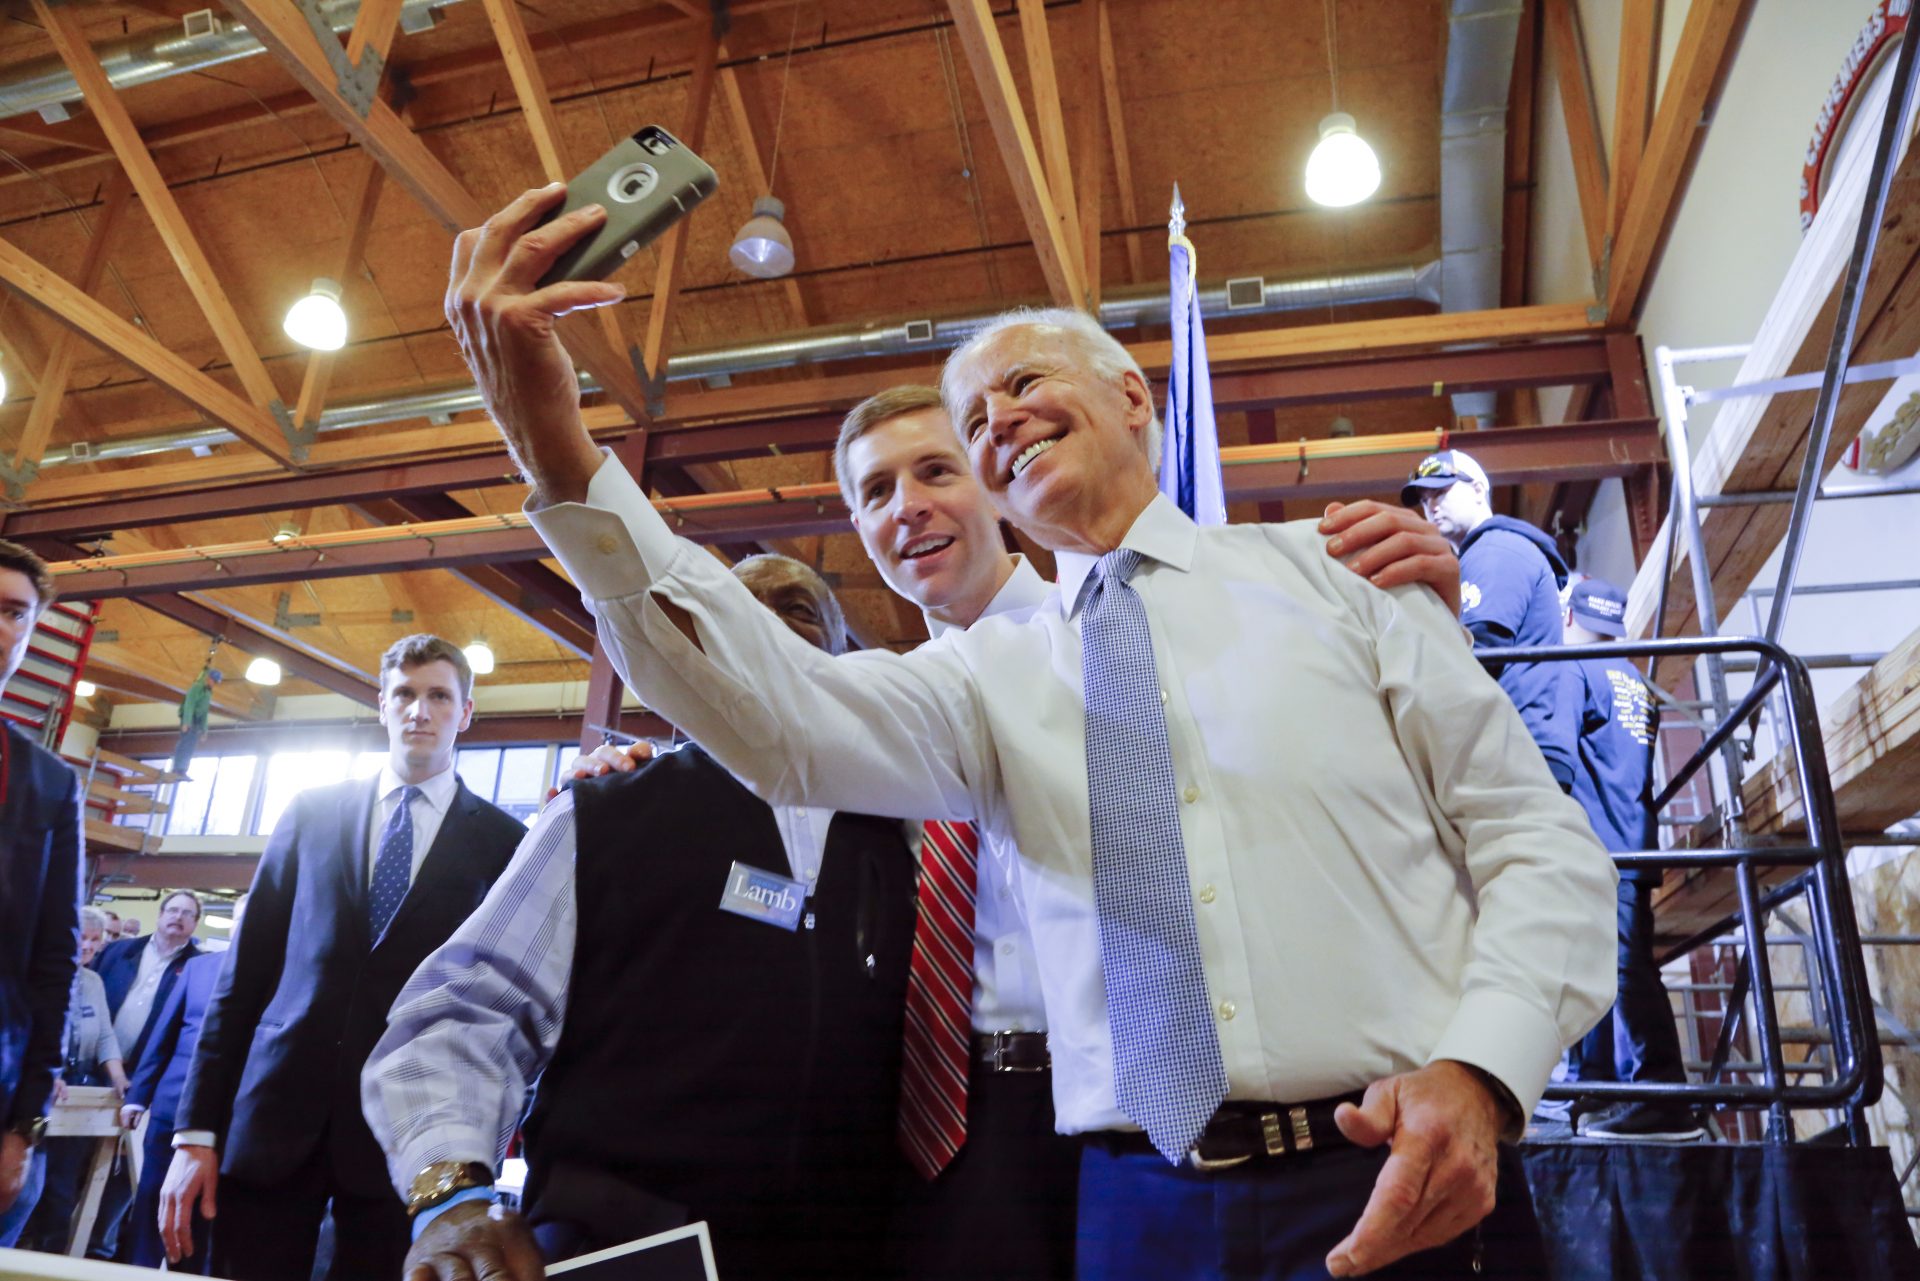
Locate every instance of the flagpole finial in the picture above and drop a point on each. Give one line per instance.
(1177, 214)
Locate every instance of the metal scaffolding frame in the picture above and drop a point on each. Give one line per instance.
(1841, 1071)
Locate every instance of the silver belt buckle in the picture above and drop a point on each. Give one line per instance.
(1002, 1042)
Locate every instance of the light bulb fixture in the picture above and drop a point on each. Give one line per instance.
(762, 248)
(85, 689)
(1342, 169)
(286, 533)
(3, 384)
(317, 321)
(263, 671)
(479, 658)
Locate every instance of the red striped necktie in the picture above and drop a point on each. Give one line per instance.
(933, 1077)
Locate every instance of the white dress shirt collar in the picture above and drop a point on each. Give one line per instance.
(1023, 590)
(1160, 532)
(437, 791)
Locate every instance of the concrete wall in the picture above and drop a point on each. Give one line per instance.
(1733, 238)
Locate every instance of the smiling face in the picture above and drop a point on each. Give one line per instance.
(424, 710)
(922, 518)
(1058, 447)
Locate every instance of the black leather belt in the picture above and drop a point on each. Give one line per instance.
(1011, 1051)
(1243, 1132)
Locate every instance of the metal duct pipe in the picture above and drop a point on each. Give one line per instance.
(45, 85)
(1481, 36)
(1124, 309)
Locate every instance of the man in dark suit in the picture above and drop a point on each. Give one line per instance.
(40, 879)
(359, 882)
(155, 1090)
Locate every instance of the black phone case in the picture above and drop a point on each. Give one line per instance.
(646, 183)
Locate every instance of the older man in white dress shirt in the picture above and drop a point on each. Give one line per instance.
(1281, 839)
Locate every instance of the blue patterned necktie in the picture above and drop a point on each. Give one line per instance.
(393, 866)
(1167, 1071)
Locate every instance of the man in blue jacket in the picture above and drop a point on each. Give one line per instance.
(40, 878)
(157, 1081)
(1511, 576)
(1638, 1041)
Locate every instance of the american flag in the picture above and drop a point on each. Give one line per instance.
(1190, 448)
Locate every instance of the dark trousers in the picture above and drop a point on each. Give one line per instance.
(270, 1233)
(1004, 1208)
(52, 1223)
(1638, 1041)
(1274, 1220)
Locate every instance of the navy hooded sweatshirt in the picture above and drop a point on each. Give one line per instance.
(1510, 580)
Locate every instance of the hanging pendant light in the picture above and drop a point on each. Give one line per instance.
(263, 671)
(1342, 170)
(318, 321)
(763, 248)
(479, 658)
(3, 384)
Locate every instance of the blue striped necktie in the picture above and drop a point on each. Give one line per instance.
(393, 866)
(1168, 1075)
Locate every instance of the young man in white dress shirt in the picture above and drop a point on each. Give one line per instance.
(1342, 867)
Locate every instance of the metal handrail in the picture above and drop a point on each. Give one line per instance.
(1855, 1080)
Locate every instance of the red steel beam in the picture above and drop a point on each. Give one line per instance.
(265, 737)
(177, 871)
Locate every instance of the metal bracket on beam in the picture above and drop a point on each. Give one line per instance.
(358, 84)
(16, 480)
(654, 389)
(299, 439)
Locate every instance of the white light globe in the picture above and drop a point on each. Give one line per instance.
(263, 671)
(763, 249)
(3, 384)
(479, 658)
(317, 320)
(1342, 169)
(85, 689)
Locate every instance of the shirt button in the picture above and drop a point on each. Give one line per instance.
(1226, 1009)
(1163, 696)
(1206, 894)
(1191, 795)
(606, 545)
(1006, 949)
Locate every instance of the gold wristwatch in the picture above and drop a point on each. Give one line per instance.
(442, 1179)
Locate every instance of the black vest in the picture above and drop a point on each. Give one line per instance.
(716, 1067)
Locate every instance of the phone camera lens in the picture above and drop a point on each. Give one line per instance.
(634, 182)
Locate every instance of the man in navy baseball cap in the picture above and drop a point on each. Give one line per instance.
(1510, 579)
(1600, 607)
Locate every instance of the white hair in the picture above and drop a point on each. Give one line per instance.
(93, 917)
(1104, 354)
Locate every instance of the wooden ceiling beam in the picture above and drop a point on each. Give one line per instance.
(58, 369)
(1059, 262)
(1117, 136)
(1086, 148)
(1582, 119)
(667, 278)
(63, 27)
(249, 636)
(1052, 126)
(400, 151)
(373, 29)
(536, 105)
(105, 329)
(78, 133)
(1632, 101)
(318, 374)
(1707, 41)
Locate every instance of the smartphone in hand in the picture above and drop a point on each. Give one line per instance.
(646, 183)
